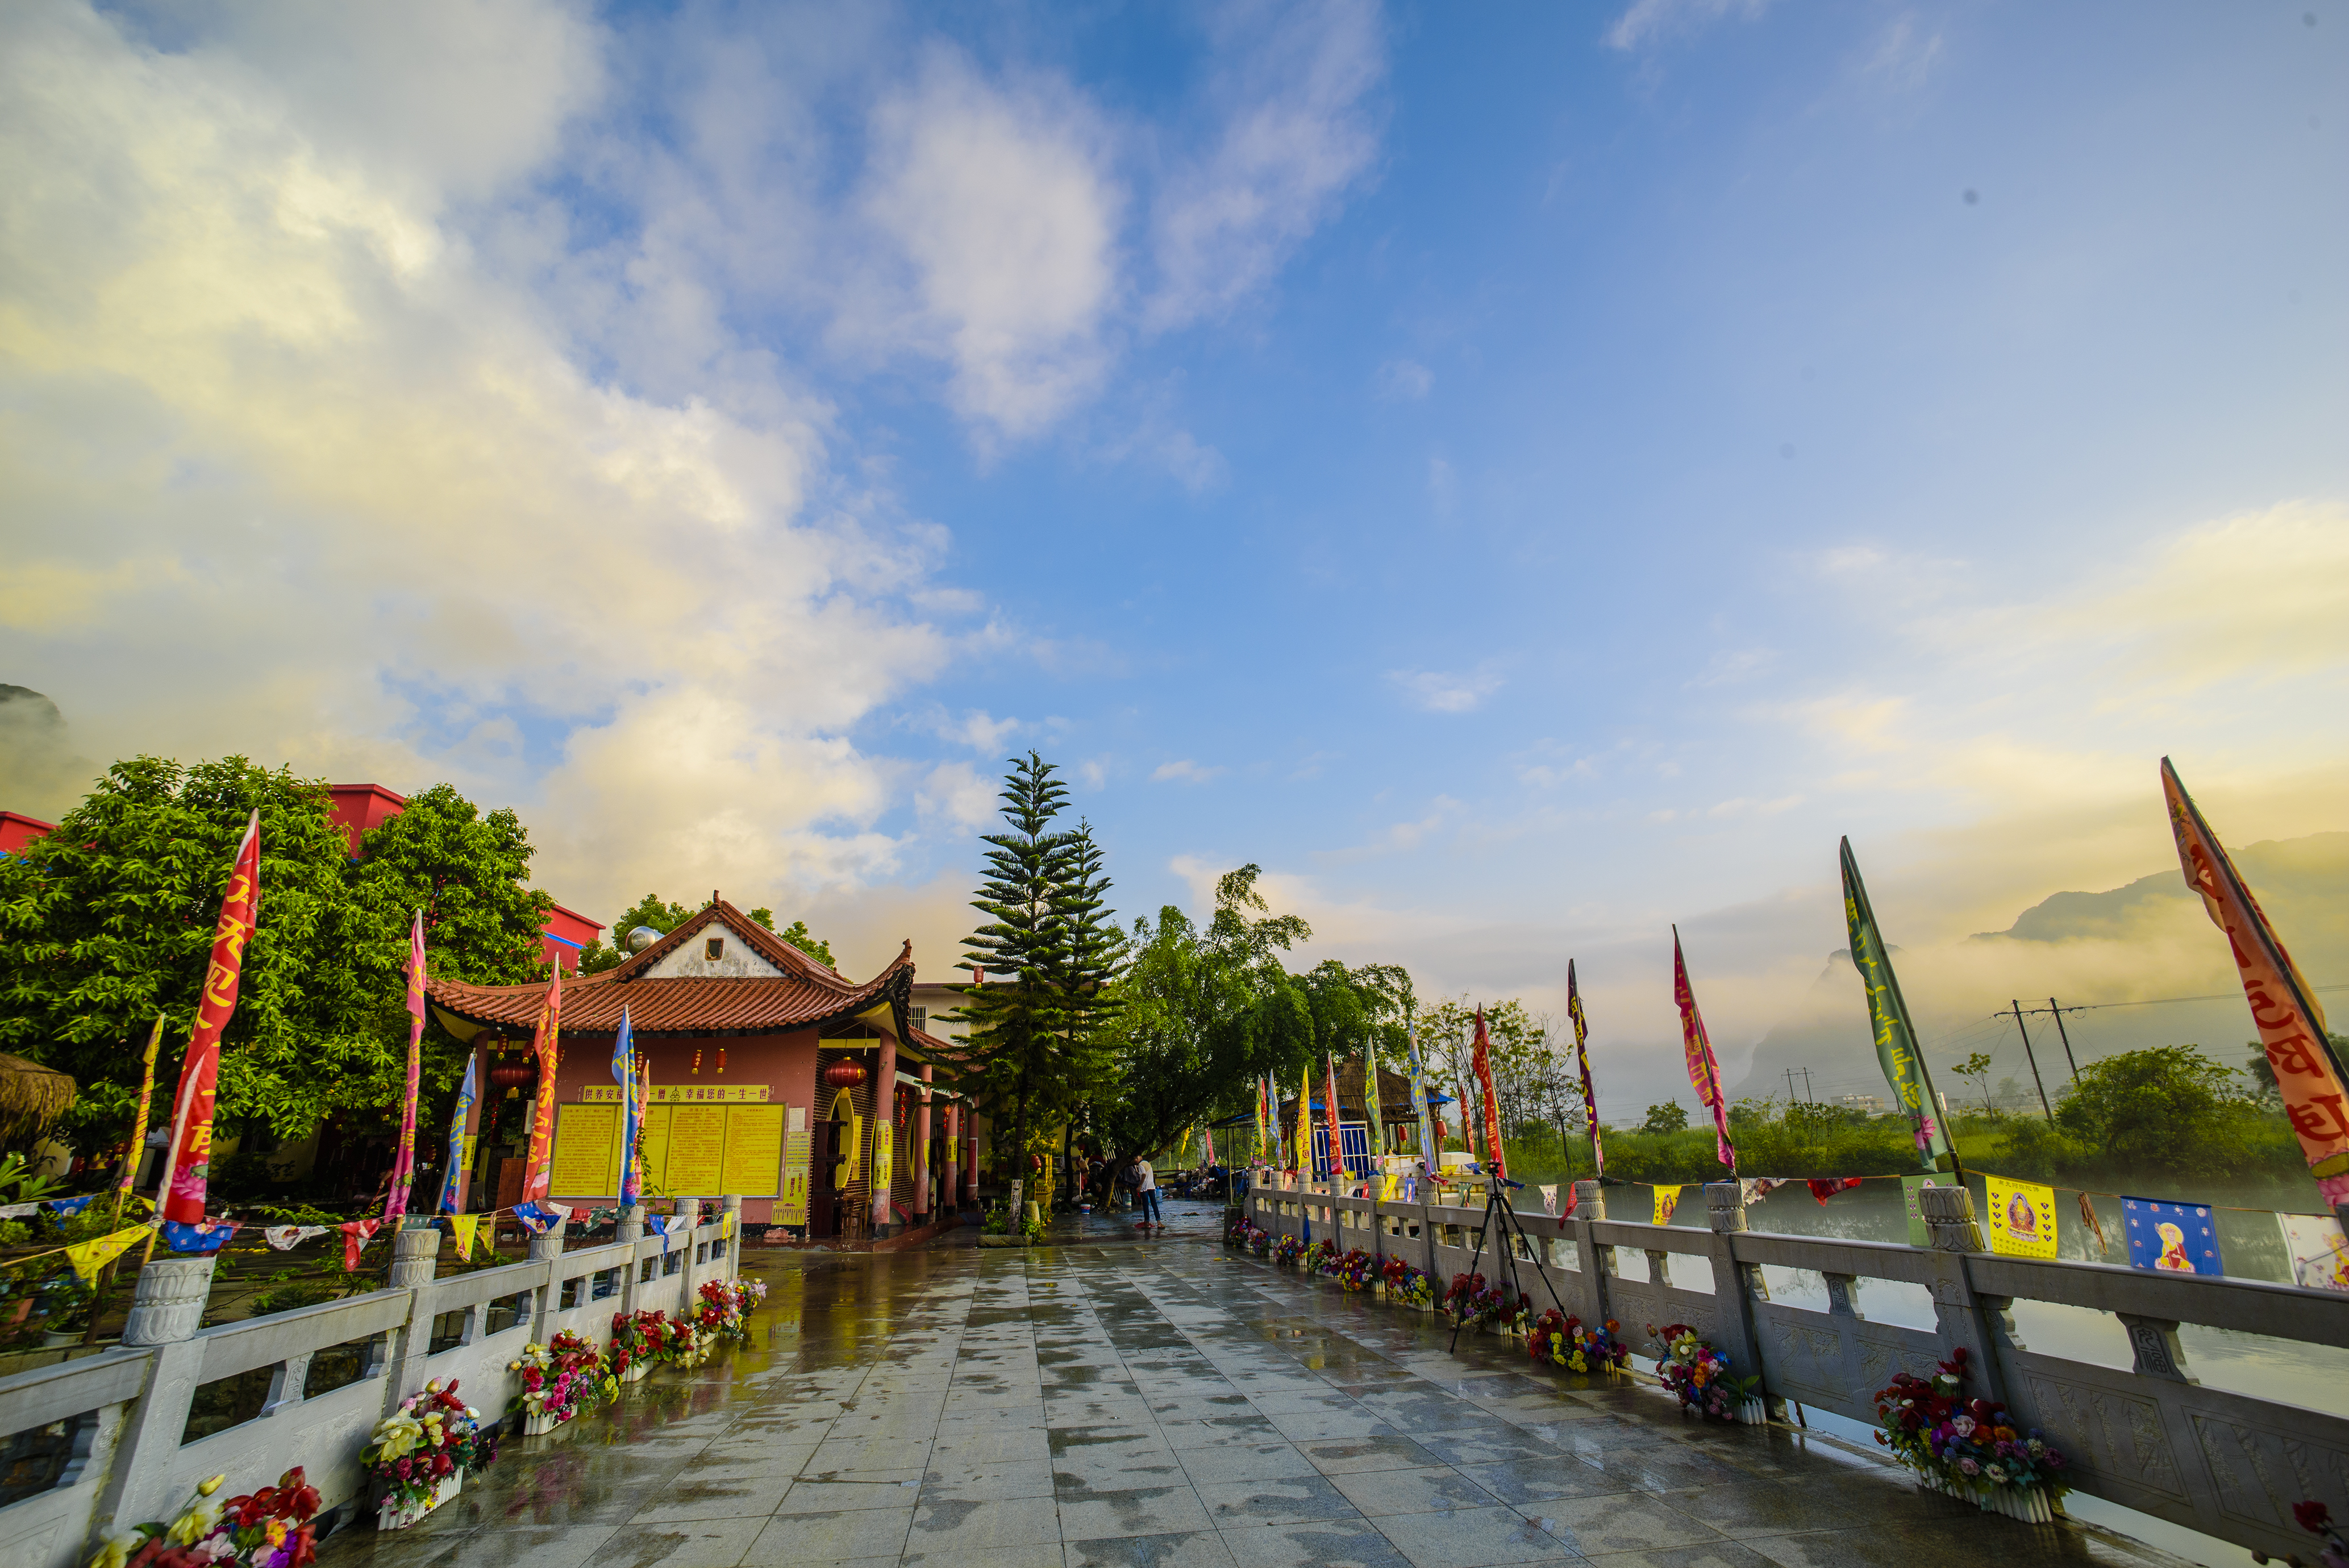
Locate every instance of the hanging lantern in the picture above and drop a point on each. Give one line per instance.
(696, 1060)
(721, 1058)
(511, 1077)
(845, 1073)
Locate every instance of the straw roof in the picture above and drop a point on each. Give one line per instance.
(32, 1097)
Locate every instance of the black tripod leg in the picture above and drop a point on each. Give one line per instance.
(1473, 1259)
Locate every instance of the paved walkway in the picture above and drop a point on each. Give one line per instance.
(1166, 1404)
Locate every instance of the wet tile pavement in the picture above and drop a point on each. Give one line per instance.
(1164, 1405)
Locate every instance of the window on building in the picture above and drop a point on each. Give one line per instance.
(920, 1017)
(715, 948)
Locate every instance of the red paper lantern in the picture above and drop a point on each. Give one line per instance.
(846, 1073)
(511, 1077)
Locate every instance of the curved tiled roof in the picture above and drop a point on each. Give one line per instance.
(806, 993)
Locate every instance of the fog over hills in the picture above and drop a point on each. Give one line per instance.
(2122, 954)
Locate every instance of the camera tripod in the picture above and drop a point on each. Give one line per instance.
(1501, 1220)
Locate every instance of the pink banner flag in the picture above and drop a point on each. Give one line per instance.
(1704, 1073)
(192, 1114)
(1481, 1061)
(546, 1045)
(2283, 1008)
(403, 1159)
(1330, 1094)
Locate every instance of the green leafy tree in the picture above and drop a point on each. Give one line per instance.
(799, 936)
(1519, 1041)
(1975, 1070)
(2169, 1110)
(1205, 1014)
(110, 918)
(1025, 1069)
(469, 873)
(650, 910)
(1669, 1117)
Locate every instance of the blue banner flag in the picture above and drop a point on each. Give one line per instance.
(207, 1238)
(466, 1094)
(624, 1073)
(2179, 1237)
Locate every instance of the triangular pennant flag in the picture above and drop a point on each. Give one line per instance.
(1573, 1197)
(356, 1234)
(89, 1257)
(542, 1217)
(1549, 1200)
(203, 1238)
(462, 1227)
(17, 1210)
(1826, 1187)
(1753, 1188)
(70, 1205)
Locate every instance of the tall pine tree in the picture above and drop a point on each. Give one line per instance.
(1052, 952)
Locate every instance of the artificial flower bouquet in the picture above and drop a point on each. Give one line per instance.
(1316, 1257)
(630, 1349)
(1559, 1340)
(1356, 1269)
(2317, 1519)
(1462, 1291)
(267, 1528)
(1400, 1283)
(1260, 1242)
(419, 1458)
(559, 1380)
(1697, 1373)
(1288, 1251)
(1969, 1448)
(1236, 1233)
(727, 1305)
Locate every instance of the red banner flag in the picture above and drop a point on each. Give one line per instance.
(1481, 1057)
(403, 1159)
(1704, 1073)
(1329, 1115)
(1582, 1060)
(2291, 1024)
(191, 1112)
(545, 1043)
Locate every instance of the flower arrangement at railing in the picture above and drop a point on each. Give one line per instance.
(1356, 1269)
(559, 1380)
(419, 1456)
(267, 1528)
(1317, 1256)
(1560, 1340)
(1406, 1284)
(2317, 1519)
(662, 1340)
(727, 1305)
(1970, 1449)
(1287, 1251)
(630, 1350)
(1237, 1232)
(1696, 1372)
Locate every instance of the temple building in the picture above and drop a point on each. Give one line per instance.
(773, 1077)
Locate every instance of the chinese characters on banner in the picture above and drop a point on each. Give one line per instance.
(1583, 1062)
(191, 1115)
(545, 1044)
(1888, 1013)
(1704, 1073)
(2022, 1218)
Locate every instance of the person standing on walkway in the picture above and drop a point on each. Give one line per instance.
(1145, 1192)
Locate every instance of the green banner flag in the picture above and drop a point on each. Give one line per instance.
(1896, 1037)
(1371, 1108)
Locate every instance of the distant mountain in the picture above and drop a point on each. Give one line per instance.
(2142, 946)
(40, 774)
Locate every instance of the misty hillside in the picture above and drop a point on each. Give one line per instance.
(2138, 945)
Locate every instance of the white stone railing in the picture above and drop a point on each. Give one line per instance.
(125, 1411)
(2151, 1437)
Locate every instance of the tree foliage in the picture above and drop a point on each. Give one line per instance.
(110, 920)
(1050, 951)
(663, 916)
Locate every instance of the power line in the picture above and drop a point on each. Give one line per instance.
(2148, 1002)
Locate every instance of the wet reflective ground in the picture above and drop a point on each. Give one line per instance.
(1116, 1402)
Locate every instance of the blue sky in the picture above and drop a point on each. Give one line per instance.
(1524, 475)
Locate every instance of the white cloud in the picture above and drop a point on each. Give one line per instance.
(1296, 132)
(955, 798)
(1001, 204)
(1184, 772)
(1435, 691)
(1405, 380)
(1650, 21)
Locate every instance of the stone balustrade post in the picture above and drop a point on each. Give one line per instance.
(1981, 1324)
(414, 1259)
(1736, 1286)
(166, 1306)
(629, 1231)
(1598, 1262)
(547, 1251)
(685, 1218)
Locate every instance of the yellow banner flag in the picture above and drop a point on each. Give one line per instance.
(461, 1226)
(2022, 1218)
(1667, 1200)
(726, 1224)
(89, 1257)
(1391, 1187)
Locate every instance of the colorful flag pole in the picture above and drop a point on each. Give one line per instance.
(189, 1172)
(546, 1045)
(1583, 1062)
(1481, 1059)
(644, 1091)
(1896, 1037)
(624, 1073)
(1704, 1073)
(1304, 1152)
(1262, 1087)
(403, 1159)
(1371, 1103)
(1428, 1152)
(1329, 1115)
(466, 1094)
(2292, 1025)
(132, 1159)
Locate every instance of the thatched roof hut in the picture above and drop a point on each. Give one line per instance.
(32, 1097)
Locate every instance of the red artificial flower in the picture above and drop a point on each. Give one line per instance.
(2312, 1516)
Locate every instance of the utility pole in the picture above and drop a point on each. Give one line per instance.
(1790, 1085)
(1806, 1087)
(2044, 1105)
(2065, 1035)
